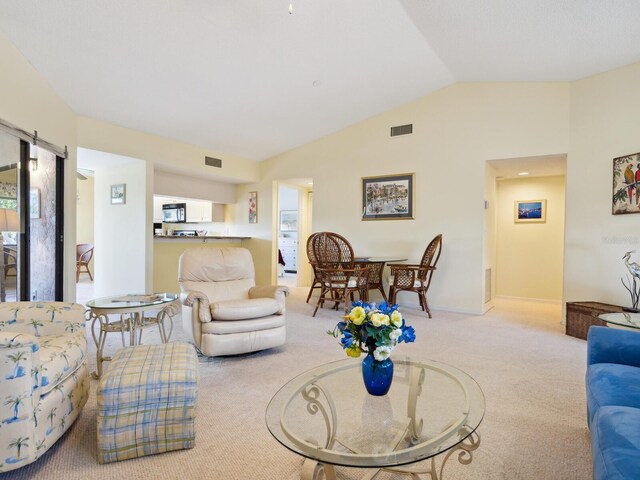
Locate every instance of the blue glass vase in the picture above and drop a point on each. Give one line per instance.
(377, 375)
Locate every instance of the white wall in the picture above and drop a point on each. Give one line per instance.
(455, 131)
(287, 198)
(604, 125)
(123, 250)
(530, 255)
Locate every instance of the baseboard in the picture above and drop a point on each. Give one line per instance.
(527, 299)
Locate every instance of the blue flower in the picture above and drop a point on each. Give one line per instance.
(347, 339)
(380, 326)
(408, 335)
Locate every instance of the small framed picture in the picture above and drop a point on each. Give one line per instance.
(253, 207)
(119, 194)
(34, 203)
(530, 211)
(288, 220)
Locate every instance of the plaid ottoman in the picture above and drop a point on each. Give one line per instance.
(147, 401)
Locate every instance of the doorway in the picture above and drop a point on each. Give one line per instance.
(292, 226)
(529, 217)
(31, 221)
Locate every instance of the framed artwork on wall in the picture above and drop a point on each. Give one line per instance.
(34, 203)
(388, 197)
(119, 194)
(626, 184)
(253, 207)
(288, 220)
(530, 211)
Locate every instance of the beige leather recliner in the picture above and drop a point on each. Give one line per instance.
(222, 309)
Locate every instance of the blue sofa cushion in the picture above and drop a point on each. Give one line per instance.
(615, 443)
(612, 384)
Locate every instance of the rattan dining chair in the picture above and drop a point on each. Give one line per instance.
(416, 278)
(340, 276)
(375, 277)
(316, 283)
(84, 252)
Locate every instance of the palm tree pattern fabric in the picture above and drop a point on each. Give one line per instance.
(43, 377)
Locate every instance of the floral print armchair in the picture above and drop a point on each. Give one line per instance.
(43, 377)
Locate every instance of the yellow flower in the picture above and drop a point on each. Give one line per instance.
(357, 316)
(396, 318)
(384, 319)
(354, 351)
(377, 319)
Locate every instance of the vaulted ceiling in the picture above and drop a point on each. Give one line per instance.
(248, 78)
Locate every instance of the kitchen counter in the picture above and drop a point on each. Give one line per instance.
(167, 250)
(199, 237)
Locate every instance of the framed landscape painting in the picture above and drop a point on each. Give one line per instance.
(119, 194)
(388, 197)
(530, 211)
(288, 220)
(626, 184)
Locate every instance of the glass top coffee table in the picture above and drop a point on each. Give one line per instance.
(130, 311)
(327, 416)
(621, 319)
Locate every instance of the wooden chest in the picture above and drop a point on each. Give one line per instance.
(582, 315)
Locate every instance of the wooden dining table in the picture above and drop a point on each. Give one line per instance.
(376, 269)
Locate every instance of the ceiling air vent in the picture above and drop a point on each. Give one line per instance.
(213, 162)
(402, 130)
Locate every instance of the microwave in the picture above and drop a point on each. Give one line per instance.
(174, 213)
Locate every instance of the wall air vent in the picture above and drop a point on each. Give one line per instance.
(213, 162)
(402, 130)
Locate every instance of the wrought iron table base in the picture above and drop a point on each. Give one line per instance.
(312, 470)
(129, 322)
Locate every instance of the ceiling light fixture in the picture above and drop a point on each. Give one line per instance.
(33, 153)
(290, 8)
(522, 174)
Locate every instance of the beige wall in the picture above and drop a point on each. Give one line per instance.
(490, 243)
(85, 214)
(455, 131)
(27, 100)
(604, 125)
(263, 240)
(174, 185)
(163, 152)
(530, 255)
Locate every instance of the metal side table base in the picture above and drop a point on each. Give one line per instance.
(132, 320)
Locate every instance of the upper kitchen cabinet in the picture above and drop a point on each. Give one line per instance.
(197, 211)
(202, 211)
(157, 209)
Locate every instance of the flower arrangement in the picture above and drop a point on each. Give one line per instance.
(373, 330)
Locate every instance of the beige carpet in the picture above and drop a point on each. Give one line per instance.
(531, 373)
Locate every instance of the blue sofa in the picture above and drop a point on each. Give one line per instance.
(613, 402)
